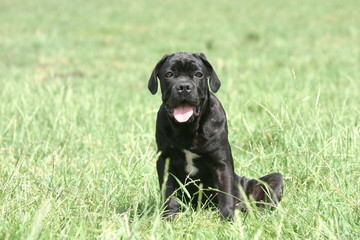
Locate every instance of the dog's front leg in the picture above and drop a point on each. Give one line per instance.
(224, 182)
(167, 189)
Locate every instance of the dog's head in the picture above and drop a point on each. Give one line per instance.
(185, 79)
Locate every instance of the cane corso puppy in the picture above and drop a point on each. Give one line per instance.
(192, 140)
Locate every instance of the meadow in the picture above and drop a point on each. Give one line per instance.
(77, 123)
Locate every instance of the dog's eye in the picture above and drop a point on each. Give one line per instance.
(198, 74)
(169, 74)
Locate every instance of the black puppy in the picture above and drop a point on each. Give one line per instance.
(192, 138)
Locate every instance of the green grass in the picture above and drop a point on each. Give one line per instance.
(77, 147)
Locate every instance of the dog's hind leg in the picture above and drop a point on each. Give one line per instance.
(267, 189)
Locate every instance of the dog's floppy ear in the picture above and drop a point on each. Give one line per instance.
(153, 83)
(214, 81)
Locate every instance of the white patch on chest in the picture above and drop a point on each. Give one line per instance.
(189, 167)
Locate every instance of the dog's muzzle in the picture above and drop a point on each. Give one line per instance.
(183, 104)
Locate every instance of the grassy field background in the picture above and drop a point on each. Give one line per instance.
(77, 147)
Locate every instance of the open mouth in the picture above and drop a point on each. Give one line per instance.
(184, 112)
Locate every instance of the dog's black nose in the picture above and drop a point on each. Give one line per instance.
(184, 88)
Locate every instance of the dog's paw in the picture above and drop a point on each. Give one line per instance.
(170, 215)
(226, 213)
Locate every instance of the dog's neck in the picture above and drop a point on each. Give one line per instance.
(188, 129)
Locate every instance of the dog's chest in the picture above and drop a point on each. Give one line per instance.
(190, 167)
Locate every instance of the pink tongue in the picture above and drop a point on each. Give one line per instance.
(183, 112)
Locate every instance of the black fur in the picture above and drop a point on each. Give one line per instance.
(185, 78)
